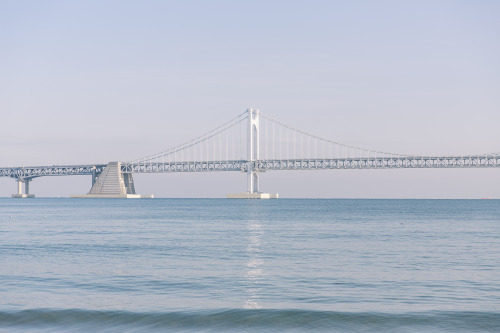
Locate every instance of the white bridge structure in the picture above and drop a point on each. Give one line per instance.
(251, 143)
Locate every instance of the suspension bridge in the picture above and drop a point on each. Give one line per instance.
(250, 143)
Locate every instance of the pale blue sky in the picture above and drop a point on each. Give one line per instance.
(99, 81)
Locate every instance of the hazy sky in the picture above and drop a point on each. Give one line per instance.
(100, 81)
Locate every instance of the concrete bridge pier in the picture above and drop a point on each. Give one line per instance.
(26, 189)
(94, 175)
(112, 182)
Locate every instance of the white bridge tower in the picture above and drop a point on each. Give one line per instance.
(253, 150)
(252, 159)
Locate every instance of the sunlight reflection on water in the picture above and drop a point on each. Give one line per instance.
(253, 271)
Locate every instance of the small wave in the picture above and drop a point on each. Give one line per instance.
(241, 320)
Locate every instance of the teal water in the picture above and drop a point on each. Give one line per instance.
(210, 265)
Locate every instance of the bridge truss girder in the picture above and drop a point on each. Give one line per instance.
(168, 167)
(27, 173)
(413, 162)
(382, 163)
(479, 161)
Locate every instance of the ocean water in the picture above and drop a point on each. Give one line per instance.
(216, 265)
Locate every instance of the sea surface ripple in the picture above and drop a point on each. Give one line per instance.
(214, 265)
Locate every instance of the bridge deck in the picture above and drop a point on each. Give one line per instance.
(478, 161)
(24, 173)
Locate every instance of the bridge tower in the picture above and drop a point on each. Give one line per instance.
(253, 150)
(253, 147)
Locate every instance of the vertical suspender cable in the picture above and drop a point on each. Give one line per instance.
(294, 143)
(280, 142)
(274, 141)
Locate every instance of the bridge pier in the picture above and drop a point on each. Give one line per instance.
(94, 175)
(112, 183)
(26, 189)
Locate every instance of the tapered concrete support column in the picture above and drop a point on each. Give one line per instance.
(27, 186)
(112, 183)
(19, 187)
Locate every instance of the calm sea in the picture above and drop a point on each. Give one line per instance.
(210, 265)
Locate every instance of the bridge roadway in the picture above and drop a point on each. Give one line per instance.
(28, 173)
(409, 162)
(477, 161)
